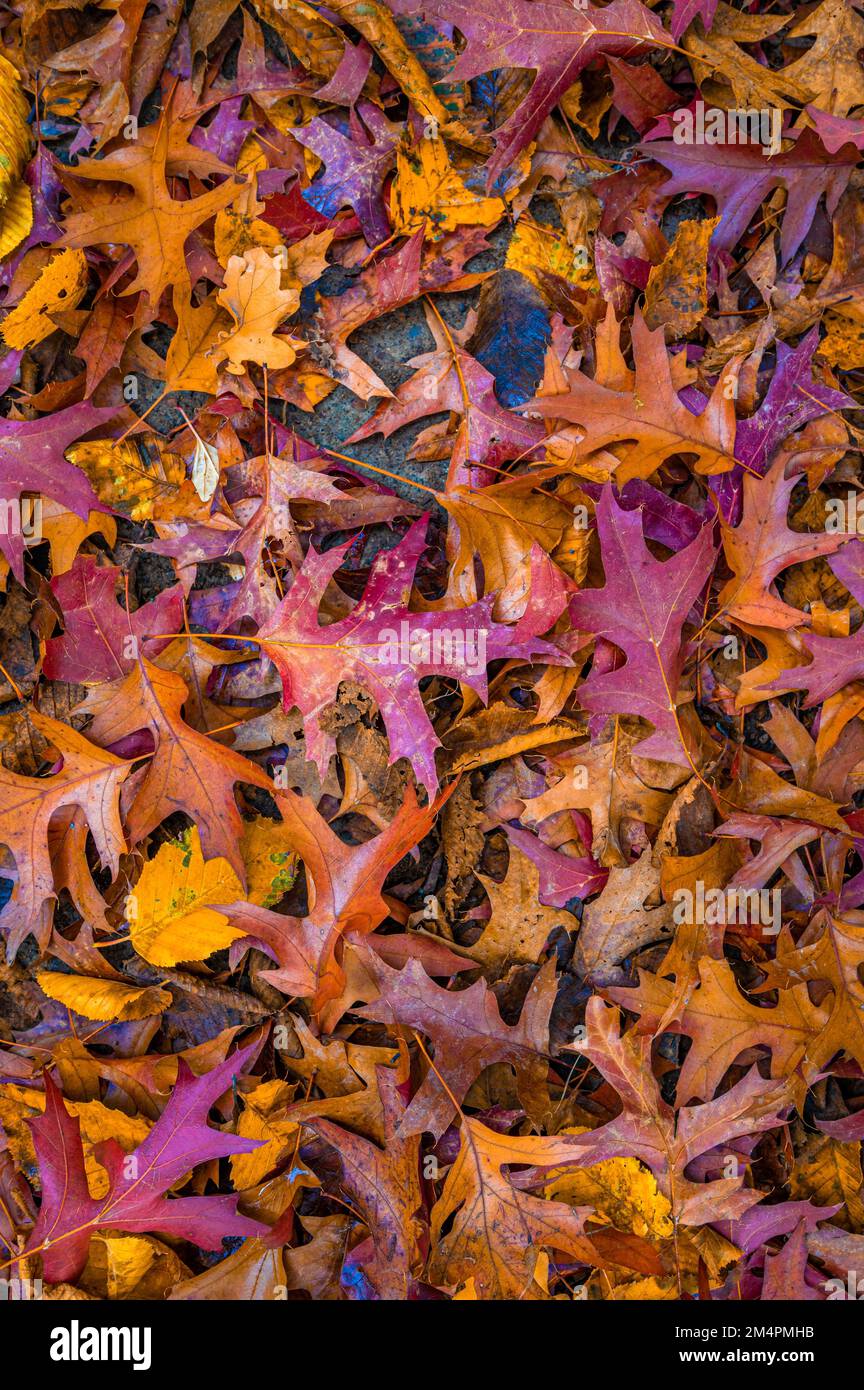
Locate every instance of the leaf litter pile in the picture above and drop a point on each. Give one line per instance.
(431, 649)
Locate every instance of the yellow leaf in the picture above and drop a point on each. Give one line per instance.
(271, 867)
(14, 130)
(60, 286)
(188, 365)
(16, 219)
(427, 192)
(235, 232)
(137, 477)
(467, 1294)
(647, 1290)
(306, 260)
(18, 1104)
(676, 296)
(717, 1254)
(100, 1122)
(318, 44)
(238, 227)
(714, 867)
(534, 249)
(171, 913)
(844, 344)
(828, 1171)
(316, 386)
(64, 532)
(262, 1119)
(622, 1192)
(121, 1266)
(103, 1000)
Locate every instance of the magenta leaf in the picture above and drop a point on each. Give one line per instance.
(96, 645)
(738, 177)
(387, 648)
(642, 610)
(137, 1198)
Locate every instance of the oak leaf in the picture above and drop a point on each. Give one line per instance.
(762, 545)
(723, 1024)
(89, 780)
(468, 1033)
(649, 424)
(137, 1198)
(153, 224)
(385, 647)
(642, 610)
(254, 298)
(486, 1230)
(557, 44)
(187, 770)
(345, 885)
(385, 1184)
(668, 1140)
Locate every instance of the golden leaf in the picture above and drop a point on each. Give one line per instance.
(843, 346)
(172, 914)
(271, 867)
(622, 1191)
(520, 924)
(104, 1000)
(14, 130)
(676, 297)
(65, 532)
(648, 1290)
(256, 301)
(535, 249)
(18, 1104)
(827, 1171)
(16, 218)
(60, 286)
(427, 192)
(131, 1266)
(262, 1119)
(134, 477)
(236, 232)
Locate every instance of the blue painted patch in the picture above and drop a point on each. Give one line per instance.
(511, 336)
(487, 91)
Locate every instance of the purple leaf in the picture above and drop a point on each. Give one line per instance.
(739, 177)
(642, 610)
(31, 456)
(836, 131)
(355, 168)
(31, 460)
(685, 11)
(96, 628)
(225, 134)
(792, 398)
(562, 876)
(386, 648)
(760, 1224)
